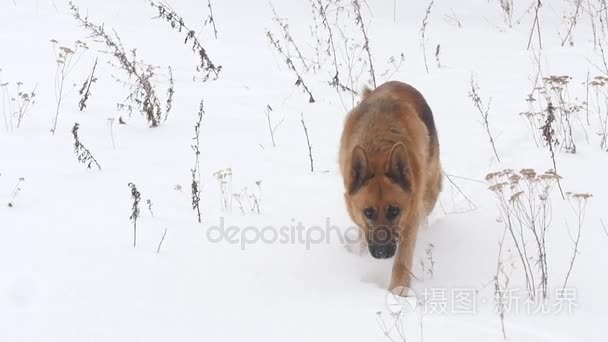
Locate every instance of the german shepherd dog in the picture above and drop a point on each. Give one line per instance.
(389, 159)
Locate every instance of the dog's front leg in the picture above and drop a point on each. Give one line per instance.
(402, 266)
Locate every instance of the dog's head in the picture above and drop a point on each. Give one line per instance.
(378, 196)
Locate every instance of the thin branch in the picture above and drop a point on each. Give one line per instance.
(161, 241)
(484, 112)
(425, 22)
(196, 177)
(536, 26)
(471, 203)
(206, 65)
(359, 21)
(300, 81)
(136, 196)
(85, 91)
(312, 168)
(573, 21)
(581, 201)
(212, 18)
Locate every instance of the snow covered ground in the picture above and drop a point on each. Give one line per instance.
(68, 268)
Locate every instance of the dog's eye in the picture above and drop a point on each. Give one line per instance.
(392, 212)
(369, 213)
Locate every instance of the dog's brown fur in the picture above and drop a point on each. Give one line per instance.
(389, 157)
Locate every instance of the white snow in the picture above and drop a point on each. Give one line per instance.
(69, 272)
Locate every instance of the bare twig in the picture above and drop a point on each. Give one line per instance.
(271, 128)
(331, 50)
(394, 66)
(361, 24)
(224, 179)
(282, 22)
(592, 14)
(603, 59)
(484, 112)
(195, 171)
(536, 27)
(507, 9)
(16, 191)
(500, 287)
(312, 168)
(471, 203)
(437, 50)
(299, 81)
(467, 179)
(66, 59)
(170, 93)
(453, 19)
(573, 21)
(149, 203)
(161, 241)
(85, 91)
(524, 204)
(548, 135)
(143, 92)
(111, 125)
(429, 255)
(425, 22)
(84, 155)
(18, 103)
(205, 66)
(211, 18)
(136, 196)
(579, 211)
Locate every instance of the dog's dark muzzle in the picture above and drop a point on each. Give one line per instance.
(382, 243)
(383, 251)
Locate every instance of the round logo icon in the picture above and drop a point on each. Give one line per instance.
(401, 300)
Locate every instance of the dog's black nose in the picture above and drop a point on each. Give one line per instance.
(384, 251)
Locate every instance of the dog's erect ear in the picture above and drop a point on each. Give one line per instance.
(365, 93)
(398, 167)
(360, 170)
